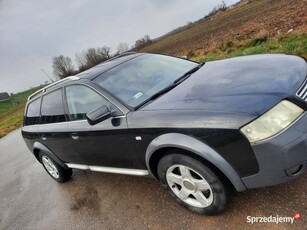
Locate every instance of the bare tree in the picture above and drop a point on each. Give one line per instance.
(91, 57)
(62, 66)
(219, 7)
(147, 39)
(122, 47)
(104, 51)
(223, 5)
(140, 43)
(81, 61)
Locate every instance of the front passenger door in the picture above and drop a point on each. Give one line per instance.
(103, 144)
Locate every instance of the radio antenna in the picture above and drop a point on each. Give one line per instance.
(48, 76)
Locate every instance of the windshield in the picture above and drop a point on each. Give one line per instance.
(137, 80)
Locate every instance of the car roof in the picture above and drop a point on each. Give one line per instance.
(89, 74)
(107, 65)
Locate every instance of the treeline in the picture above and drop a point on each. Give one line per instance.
(63, 65)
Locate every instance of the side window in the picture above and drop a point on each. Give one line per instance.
(32, 114)
(52, 108)
(81, 100)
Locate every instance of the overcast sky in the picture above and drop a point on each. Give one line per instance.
(32, 32)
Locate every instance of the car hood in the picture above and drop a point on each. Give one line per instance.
(249, 85)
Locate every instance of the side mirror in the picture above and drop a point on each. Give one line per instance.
(97, 115)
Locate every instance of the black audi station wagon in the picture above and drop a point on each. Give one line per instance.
(201, 129)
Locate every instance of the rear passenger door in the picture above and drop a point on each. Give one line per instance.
(53, 125)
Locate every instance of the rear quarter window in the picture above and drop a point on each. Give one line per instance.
(32, 114)
(52, 109)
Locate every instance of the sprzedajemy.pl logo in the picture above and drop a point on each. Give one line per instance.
(273, 219)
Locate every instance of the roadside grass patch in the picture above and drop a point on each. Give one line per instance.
(12, 122)
(295, 44)
(11, 111)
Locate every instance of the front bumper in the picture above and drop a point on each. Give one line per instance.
(281, 158)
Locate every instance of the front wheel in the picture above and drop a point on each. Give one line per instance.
(56, 171)
(193, 185)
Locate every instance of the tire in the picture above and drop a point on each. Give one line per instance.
(56, 171)
(192, 184)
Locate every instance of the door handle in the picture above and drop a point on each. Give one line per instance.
(74, 136)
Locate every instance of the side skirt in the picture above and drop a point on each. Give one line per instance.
(135, 172)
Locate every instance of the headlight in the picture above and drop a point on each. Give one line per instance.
(272, 122)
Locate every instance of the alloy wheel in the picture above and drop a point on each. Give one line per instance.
(51, 168)
(189, 186)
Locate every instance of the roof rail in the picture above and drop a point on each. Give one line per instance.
(73, 78)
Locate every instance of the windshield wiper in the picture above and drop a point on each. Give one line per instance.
(156, 95)
(188, 74)
(169, 87)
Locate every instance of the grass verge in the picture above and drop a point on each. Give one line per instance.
(13, 121)
(295, 44)
(11, 111)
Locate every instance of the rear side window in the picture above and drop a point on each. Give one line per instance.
(52, 108)
(32, 115)
(81, 99)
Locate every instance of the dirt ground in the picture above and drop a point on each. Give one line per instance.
(30, 199)
(249, 20)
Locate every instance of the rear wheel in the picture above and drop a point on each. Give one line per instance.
(56, 171)
(193, 185)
